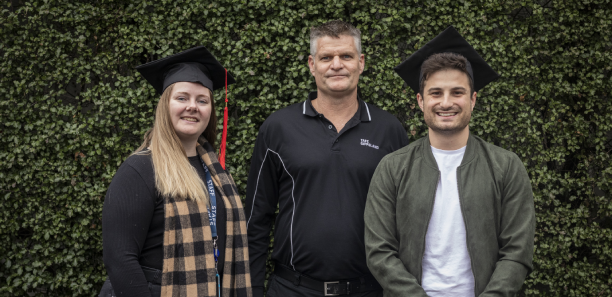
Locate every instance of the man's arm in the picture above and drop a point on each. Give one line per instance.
(516, 235)
(261, 202)
(380, 236)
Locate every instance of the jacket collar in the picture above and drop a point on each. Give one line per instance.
(363, 110)
(470, 152)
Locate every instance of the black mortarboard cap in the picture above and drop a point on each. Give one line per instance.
(448, 41)
(193, 65)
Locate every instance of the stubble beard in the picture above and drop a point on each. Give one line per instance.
(460, 125)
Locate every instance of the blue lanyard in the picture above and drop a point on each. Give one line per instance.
(212, 218)
(212, 214)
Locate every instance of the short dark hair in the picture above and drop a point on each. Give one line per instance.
(335, 29)
(443, 61)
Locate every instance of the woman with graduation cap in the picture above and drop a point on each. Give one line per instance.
(173, 224)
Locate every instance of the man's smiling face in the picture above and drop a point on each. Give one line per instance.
(336, 65)
(446, 102)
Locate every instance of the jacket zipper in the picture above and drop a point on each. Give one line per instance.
(427, 226)
(466, 231)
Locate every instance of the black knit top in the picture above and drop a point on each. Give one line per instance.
(133, 225)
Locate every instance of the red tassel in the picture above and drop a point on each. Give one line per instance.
(224, 135)
(223, 139)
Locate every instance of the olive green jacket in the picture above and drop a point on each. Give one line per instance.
(497, 206)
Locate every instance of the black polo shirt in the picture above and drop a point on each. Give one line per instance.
(319, 179)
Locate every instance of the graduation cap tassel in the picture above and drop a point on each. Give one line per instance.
(224, 135)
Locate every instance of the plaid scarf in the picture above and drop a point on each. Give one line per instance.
(189, 264)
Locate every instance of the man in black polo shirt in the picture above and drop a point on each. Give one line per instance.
(315, 159)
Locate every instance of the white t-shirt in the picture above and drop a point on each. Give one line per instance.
(446, 264)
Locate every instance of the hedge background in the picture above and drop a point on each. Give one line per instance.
(72, 108)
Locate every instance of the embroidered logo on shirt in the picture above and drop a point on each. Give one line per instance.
(367, 143)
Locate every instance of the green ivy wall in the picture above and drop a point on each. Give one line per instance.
(72, 108)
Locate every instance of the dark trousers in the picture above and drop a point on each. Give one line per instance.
(280, 287)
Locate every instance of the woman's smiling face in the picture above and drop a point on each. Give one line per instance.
(190, 107)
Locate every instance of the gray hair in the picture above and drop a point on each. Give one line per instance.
(334, 29)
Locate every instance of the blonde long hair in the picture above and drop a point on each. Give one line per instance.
(174, 175)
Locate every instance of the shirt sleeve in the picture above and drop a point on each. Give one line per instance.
(403, 136)
(381, 243)
(404, 141)
(128, 208)
(516, 238)
(261, 202)
(398, 135)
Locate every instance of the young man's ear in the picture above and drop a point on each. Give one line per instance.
(473, 100)
(420, 101)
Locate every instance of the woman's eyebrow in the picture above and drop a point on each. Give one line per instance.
(188, 94)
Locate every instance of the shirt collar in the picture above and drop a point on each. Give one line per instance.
(363, 110)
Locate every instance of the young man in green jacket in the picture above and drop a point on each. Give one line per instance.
(450, 214)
